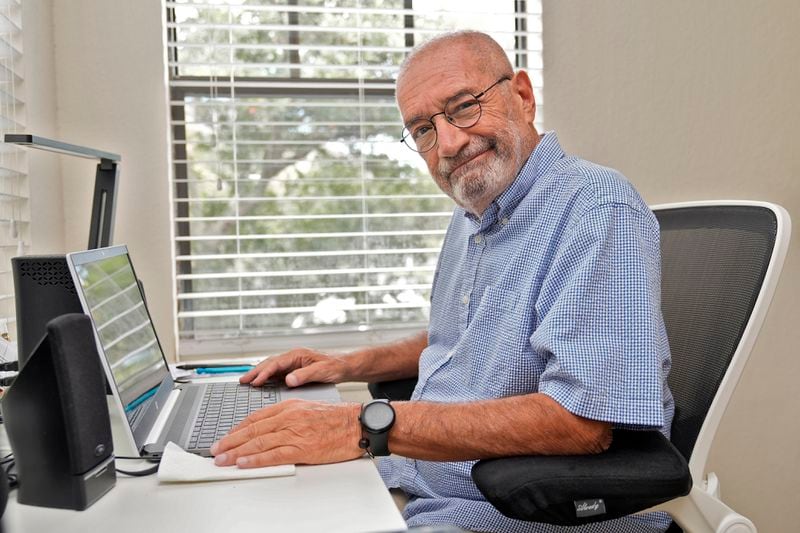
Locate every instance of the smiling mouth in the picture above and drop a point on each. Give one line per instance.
(468, 162)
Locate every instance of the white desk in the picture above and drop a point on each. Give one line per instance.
(348, 497)
(345, 497)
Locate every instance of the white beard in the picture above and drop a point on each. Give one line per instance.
(477, 188)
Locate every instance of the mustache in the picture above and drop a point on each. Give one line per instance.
(477, 146)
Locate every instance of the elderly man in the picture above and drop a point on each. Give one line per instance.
(545, 326)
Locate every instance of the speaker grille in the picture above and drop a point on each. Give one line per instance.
(44, 290)
(81, 387)
(48, 272)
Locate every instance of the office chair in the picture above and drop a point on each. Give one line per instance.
(720, 264)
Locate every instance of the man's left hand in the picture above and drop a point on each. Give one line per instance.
(293, 432)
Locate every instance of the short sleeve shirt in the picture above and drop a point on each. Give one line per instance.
(554, 289)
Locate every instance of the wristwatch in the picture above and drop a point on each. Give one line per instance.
(377, 418)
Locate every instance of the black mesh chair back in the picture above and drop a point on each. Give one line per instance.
(714, 259)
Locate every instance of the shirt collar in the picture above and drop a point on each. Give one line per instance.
(545, 154)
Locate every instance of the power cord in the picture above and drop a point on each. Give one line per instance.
(7, 464)
(139, 473)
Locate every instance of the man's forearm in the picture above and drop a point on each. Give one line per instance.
(396, 360)
(533, 424)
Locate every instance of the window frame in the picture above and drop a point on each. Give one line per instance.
(345, 337)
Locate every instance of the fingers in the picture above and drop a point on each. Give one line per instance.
(317, 367)
(258, 433)
(248, 376)
(300, 366)
(254, 446)
(272, 367)
(261, 373)
(306, 374)
(281, 455)
(294, 431)
(252, 418)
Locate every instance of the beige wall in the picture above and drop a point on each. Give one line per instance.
(44, 172)
(112, 95)
(96, 78)
(701, 100)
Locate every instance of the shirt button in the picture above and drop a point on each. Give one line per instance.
(504, 221)
(478, 238)
(465, 300)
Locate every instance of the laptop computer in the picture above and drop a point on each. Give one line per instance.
(154, 408)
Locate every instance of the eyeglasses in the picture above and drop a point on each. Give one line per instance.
(462, 111)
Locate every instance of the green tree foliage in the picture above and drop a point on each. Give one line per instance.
(292, 174)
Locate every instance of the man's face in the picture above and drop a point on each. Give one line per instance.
(471, 165)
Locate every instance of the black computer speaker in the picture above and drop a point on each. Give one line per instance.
(57, 421)
(44, 290)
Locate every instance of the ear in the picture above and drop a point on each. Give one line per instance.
(523, 88)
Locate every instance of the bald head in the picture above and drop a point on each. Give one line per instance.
(467, 71)
(480, 48)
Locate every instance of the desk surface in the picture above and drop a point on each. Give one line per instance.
(348, 497)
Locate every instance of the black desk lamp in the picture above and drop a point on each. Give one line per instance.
(46, 278)
(102, 222)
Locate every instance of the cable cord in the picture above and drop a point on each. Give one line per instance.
(7, 464)
(138, 473)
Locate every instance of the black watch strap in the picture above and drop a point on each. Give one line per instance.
(375, 444)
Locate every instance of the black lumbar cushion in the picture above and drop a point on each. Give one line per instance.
(639, 470)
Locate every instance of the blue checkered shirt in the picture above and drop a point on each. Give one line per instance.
(554, 289)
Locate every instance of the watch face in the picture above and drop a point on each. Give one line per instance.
(378, 415)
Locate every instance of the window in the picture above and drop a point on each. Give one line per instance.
(297, 209)
(14, 216)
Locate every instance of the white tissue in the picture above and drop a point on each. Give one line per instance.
(178, 465)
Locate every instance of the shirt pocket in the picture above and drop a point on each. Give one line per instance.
(498, 347)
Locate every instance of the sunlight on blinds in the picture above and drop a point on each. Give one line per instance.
(14, 215)
(297, 209)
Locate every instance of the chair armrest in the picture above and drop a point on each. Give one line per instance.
(639, 470)
(397, 390)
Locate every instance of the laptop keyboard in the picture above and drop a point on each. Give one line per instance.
(224, 406)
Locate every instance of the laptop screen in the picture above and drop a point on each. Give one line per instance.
(113, 298)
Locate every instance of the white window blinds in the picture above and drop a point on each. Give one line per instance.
(297, 209)
(14, 215)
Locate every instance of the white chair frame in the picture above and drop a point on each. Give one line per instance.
(702, 510)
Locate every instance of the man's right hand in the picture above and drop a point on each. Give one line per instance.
(298, 367)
